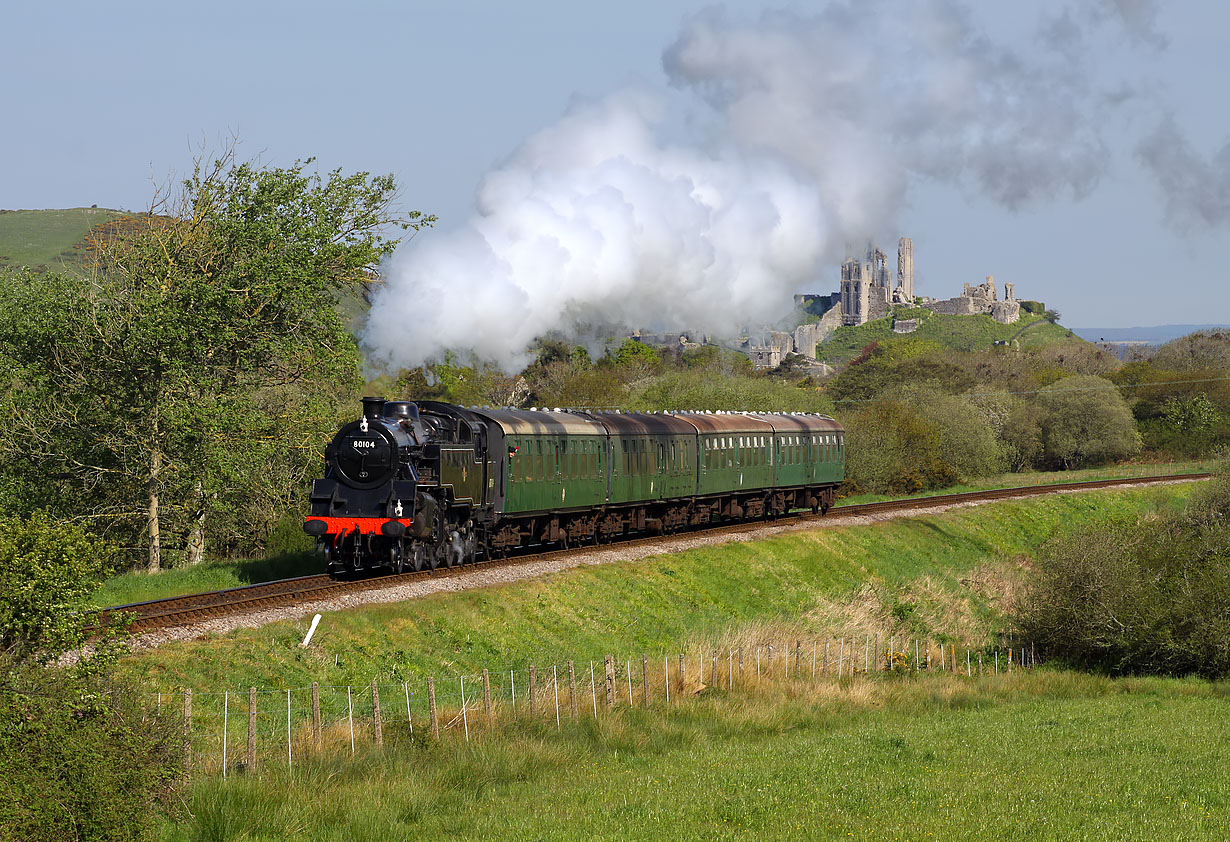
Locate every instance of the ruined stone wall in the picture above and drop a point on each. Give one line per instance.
(765, 356)
(962, 305)
(1006, 312)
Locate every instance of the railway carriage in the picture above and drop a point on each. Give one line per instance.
(429, 484)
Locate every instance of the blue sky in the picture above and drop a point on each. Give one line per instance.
(99, 101)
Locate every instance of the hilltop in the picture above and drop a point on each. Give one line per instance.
(49, 239)
(960, 333)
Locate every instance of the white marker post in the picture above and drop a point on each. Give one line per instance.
(311, 631)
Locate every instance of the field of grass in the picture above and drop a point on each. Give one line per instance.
(46, 238)
(1044, 756)
(941, 576)
(961, 333)
(218, 575)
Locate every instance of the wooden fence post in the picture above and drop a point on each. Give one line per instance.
(251, 729)
(572, 688)
(610, 680)
(798, 653)
(533, 681)
(431, 707)
(487, 696)
(317, 733)
(645, 678)
(377, 724)
(682, 675)
(740, 664)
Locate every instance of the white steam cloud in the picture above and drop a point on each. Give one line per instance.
(811, 131)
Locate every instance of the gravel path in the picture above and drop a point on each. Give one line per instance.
(481, 577)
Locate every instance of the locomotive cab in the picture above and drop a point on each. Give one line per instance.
(399, 490)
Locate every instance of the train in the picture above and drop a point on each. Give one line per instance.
(418, 485)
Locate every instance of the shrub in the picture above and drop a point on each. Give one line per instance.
(1140, 597)
(891, 447)
(47, 568)
(1086, 423)
(81, 759)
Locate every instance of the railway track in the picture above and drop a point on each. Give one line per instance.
(185, 610)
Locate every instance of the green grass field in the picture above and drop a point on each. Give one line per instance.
(941, 576)
(45, 238)
(914, 756)
(1042, 756)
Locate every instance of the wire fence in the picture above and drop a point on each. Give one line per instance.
(244, 730)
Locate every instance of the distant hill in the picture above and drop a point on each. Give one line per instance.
(48, 239)
(961, 333)
(1155, 335)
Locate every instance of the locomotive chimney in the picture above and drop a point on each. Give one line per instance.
(373, 407)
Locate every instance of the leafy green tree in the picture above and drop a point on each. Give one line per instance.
(170, 361)
(1087, 422)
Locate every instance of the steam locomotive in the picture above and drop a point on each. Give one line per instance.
(418, 485)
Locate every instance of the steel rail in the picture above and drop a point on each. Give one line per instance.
(175, 611)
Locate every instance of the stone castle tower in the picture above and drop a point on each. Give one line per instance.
(868, 287)
(905, 269)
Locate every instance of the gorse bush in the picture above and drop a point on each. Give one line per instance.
(1143, 597)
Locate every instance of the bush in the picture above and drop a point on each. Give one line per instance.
(81, 759)
(47, 569)
(891, 447)
(1140, 597)
(1087, 422)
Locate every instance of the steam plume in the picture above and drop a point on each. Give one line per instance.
(811, 131)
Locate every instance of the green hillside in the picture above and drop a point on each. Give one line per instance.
(48, 239)
(960, 333)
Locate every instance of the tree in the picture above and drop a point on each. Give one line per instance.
(167, 364)
(1086, 422)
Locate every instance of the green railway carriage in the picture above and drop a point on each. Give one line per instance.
(429, 483)
(577, 476)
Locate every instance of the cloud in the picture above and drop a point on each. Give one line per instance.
(1196, 191)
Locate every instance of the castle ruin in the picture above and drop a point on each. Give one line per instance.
(868, 288)
(983, 298)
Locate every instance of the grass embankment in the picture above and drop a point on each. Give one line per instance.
(1035, 478)
(1039, 756)
(46, 238)
(219, 575)
(940, 576)
(960, 333)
